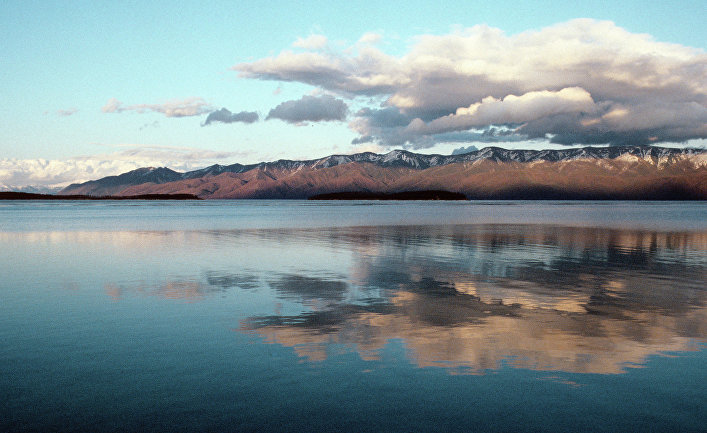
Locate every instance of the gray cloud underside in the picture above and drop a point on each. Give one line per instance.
(389, 126)
(310, 109)
(225, 116)
(578, 82)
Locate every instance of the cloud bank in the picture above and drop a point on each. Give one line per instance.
(60, 173)
(225, 116)
(310, 109)
(579, 82)
(175, 108)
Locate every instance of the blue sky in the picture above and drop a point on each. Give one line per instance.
(166, 66)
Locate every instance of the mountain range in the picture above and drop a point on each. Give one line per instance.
(31, 189)
(627, 172)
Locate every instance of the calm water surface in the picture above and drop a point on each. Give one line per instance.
(353, 316)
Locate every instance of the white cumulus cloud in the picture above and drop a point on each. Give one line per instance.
(581, 81)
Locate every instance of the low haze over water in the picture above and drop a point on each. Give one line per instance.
(353, 316)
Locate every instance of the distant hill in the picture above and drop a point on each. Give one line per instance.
(629, 172)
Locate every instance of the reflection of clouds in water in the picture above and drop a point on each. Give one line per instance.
(309, 288)
(176, 290)
(580, 300)
(468, 297)
(468, 333)
(125, 240)
(185, 289)
(189, 290)
(232, 280)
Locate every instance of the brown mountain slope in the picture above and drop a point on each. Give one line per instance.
(301, 183)
(626, 178)
(573, 179)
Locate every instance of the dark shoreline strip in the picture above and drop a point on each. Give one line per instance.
(407, 195)
(665, 191)
(9, 195)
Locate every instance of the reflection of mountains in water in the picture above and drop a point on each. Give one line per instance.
(579, 300)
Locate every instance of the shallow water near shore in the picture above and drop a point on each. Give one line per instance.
(355, 316)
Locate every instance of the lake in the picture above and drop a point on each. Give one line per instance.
(353, 316)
